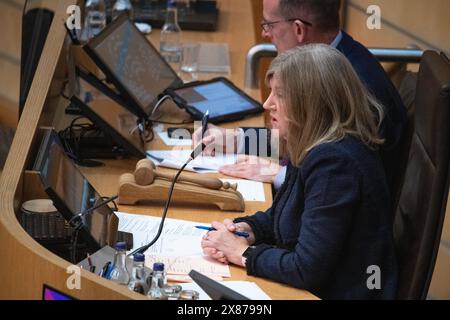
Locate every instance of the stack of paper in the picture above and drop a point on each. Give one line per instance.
(251, 190)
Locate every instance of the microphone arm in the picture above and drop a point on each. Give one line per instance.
(89, 211)
(199, 149)
(79, 224)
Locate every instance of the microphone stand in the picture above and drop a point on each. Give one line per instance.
(79, 224)
(199, 149)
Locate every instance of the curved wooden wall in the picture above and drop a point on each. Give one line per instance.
(26, 265)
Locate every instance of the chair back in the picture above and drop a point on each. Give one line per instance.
(420, 211)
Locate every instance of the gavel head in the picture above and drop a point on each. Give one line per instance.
(144, 173)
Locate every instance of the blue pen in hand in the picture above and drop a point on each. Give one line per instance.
(238, 233)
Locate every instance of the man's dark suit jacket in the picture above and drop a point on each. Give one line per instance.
(373, 76)
(378, 83)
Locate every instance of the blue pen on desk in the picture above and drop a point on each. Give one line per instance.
(238, 233)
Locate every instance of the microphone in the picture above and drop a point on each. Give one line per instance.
(198, 150)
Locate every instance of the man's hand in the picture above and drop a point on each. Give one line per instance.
(252, 168)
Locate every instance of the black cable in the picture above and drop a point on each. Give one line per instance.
(163, 218)
(194, 154)
(146, 130)
(74, 241)
(71, 138)
(115, 208)
(171, 123)
(88, 211)
(79, 224)
(61, 93)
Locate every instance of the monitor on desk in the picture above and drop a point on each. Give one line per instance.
(108, 114)
(132, 64)
(72, 193)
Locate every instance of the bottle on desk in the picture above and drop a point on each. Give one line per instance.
(119, 273)
(138, 276)
(94, 18)
(170, 41)
(158, 282)
(121, 6)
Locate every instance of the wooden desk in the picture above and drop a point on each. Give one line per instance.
(26, 264)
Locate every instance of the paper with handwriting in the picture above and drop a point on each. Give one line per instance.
(178, 246)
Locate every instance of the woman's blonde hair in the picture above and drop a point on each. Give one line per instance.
(324, 100)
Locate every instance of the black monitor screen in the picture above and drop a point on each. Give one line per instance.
(109, 115)
(135, 67)
(72, 193)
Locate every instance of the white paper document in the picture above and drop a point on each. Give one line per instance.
(178, 247)
(173, 142)
(248, 289)
(201, 164)
(250, 190)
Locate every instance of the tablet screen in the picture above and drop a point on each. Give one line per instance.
(223, 100)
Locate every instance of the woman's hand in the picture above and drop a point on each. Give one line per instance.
(242, 227)
(252, 168)
(223, 245)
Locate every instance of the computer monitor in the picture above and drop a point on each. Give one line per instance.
(132, 64)
(103, 109)
(51, 294)
(214, 289)
(72, 193)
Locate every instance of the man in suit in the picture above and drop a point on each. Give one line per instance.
(290, 23)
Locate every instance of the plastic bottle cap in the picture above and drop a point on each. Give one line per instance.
(189, 295)
(121, 246)
(172, 291)
(139, 257)
(158, 266)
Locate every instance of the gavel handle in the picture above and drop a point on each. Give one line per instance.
(210, 183)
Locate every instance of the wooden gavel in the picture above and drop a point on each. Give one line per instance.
(146, 172)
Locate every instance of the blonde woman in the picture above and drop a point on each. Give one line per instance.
(330, 225)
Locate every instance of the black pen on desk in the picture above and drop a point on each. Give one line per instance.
(205, 120)
(238, 233)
